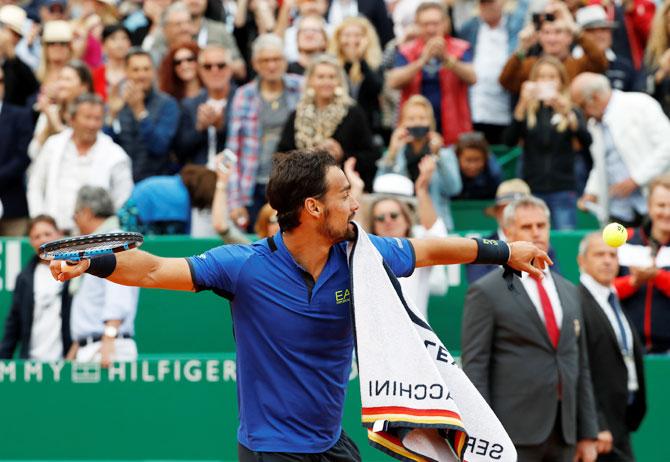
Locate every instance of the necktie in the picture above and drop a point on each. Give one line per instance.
(548, 310)
(618, 314)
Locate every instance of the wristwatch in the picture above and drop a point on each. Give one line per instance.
(110, 331)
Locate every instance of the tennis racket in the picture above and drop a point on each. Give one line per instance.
(76, 249)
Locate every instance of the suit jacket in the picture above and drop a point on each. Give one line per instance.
(16, 130)
(192, 146)
(609, 373)
(19, 323)
(509, 358)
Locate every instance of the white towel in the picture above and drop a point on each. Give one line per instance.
(417, 404)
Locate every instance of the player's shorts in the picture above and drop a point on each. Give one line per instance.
(344, 450)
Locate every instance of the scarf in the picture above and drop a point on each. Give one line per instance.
(313, 126)
(417, 404)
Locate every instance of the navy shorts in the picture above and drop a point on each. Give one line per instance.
(344, 450)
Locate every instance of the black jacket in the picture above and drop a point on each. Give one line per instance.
(20, 82)
(19, 323)
(548, 162)
(609, 373)
(354, 136)
(368, 94)
(16, 130)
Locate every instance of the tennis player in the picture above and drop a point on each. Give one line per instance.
(290, 304)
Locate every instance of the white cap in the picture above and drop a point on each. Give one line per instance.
(57, 31)
(13, 17)
(593, 17)
(393, 183)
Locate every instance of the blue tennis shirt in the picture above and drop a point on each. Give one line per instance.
(294, 338)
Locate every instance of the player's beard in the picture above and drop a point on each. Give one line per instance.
(340, 233)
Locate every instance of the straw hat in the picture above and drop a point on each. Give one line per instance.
(508, 191)
(57, 31)
(13, 17)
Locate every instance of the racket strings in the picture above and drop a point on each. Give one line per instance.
(90, 246)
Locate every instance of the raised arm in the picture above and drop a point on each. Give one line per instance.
(523, 256)
(137, 268)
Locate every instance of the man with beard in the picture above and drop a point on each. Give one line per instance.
(290, 304)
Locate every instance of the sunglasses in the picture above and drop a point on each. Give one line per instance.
(61, 44)
(56, 9)
(179, 62)
(381, 218)
(2, 80)
(209, 66)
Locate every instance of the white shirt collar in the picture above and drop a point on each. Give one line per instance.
(597, 289)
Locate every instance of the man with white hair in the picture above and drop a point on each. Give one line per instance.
(631, 145)
(259, 112)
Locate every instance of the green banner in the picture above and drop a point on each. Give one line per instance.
(180, 407)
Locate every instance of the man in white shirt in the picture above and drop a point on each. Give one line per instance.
(79, 156)
(103, 313)
(615, 351)
(38, 320)
(630, 147)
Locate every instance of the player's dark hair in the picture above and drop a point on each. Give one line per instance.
(297, 176)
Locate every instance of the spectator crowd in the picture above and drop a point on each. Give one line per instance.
(164, 117)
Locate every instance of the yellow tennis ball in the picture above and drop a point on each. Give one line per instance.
(615, 235)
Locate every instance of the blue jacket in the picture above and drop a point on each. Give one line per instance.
(148, 141)
(16, 130)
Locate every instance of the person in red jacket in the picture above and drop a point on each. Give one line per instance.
(644, 282)
(439, 67)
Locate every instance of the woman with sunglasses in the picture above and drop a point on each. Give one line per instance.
(390, 216)
(178, 73)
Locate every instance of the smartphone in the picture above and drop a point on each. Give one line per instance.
(539, 18)
(229, 160)
(545, 90)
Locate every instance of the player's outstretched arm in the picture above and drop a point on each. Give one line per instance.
(524, 256)
(136, 268)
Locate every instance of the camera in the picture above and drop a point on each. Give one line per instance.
(539, 18)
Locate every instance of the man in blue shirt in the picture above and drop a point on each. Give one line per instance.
(290, 302)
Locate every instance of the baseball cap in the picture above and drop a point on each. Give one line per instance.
(394, 184)
(593, 17)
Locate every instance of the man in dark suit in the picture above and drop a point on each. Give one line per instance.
(204, 118)
(524, 350)
(615, 352)
(39, 317)
(16, 130)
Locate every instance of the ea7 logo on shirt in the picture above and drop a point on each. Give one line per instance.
(342, 296)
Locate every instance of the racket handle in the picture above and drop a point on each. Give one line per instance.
(67, 266)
